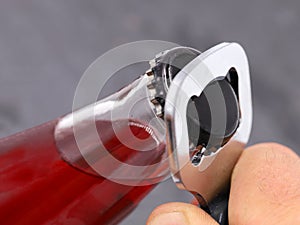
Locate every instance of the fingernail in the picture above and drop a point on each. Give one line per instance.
(173, 218)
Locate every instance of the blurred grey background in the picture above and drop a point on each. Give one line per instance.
(45, 46)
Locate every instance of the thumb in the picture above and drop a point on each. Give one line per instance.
(179, 214)
(265, 186)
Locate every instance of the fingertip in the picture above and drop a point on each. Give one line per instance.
(177, 213)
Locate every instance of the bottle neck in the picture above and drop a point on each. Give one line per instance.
(119, 137)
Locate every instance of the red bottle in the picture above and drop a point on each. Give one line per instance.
(57, 173)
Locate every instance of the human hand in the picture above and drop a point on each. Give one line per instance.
(265, 189)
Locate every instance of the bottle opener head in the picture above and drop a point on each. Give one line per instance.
(205, 100)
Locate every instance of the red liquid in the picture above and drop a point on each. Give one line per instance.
(38, 187)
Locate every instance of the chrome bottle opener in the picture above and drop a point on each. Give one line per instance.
(205, 100)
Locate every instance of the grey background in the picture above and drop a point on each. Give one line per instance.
(45, 46)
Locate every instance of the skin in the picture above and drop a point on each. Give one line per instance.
(265, 189)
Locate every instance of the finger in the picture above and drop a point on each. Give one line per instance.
(265, 186)
(179, 214)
